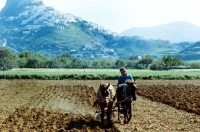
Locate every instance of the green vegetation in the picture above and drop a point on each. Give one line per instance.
(168, 62)
(27, 65)
(141, 46)
(190, 53)
(195, 65)
(7, 59)
(96, 74)
(28, 59)
(51, 42)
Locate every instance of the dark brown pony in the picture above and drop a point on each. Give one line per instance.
(105, 101)
(125, 95)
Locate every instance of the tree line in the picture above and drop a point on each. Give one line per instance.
(27, 59)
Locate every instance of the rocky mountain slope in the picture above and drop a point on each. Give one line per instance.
(30, 25)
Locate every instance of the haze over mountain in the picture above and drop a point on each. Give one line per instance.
(174, 32)
(30, 25)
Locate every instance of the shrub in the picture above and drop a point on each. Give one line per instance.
(156, 67)
(195, 65)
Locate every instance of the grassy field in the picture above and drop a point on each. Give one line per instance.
(96, 74)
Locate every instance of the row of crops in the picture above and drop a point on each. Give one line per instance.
(96, 74)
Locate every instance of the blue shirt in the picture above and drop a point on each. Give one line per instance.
(122, 79)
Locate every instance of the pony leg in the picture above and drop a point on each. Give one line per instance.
(118, 105)
(130, 106)
(129, 111)
(109, 111)
(102, 113)
(124, 112)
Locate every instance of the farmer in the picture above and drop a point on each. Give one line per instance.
(122, 81)
(124, 76)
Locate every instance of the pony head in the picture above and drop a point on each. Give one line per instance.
(104, 89)
(131, 83)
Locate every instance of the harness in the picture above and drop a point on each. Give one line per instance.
(126, 98)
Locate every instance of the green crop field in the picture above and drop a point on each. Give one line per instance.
(96, 74)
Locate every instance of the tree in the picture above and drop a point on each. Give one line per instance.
(7, 59)
(37, 61)
(158, 65)
(177, 62)
(131, 64)
(84, 63)
(67, 55)
(25, 54)
(140, 66)
(21, 62)
(195, 65)
(55, 63)
(144, 62)
(120, 63)
(168, 61)
(66, 62)
(106, 63)
(96, 64)
(79, 63)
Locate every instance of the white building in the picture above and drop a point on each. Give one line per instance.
(26, 32)
(139, 57)
(32, 27)
(10, 18)
(16, 29)
(49, 8)
(50, 24)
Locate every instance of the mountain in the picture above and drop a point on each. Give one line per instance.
(13, 7)
(174, 32)
(191, 53)
(30, 25)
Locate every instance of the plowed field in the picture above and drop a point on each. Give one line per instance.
(184, 97)
(36, 106)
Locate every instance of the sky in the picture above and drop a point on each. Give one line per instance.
(119, 15)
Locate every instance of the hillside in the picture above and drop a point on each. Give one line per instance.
(174, 32)
(191, 53)
(30, 25)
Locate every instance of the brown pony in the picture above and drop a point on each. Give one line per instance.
(125, 94)
(105, 98)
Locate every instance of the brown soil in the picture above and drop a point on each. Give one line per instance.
(184, 97)
(30, 105)
(38, 120)
(34, 105)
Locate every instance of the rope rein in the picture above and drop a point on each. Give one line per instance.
(127, 98)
